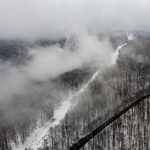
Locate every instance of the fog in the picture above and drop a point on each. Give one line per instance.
(79, 22)
(32, 81)
(31, 77)
(55, 19)
(52, 61)
(47, 63)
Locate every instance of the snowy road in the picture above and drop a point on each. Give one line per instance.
(116, 53)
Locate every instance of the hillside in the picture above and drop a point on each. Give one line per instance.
(54, 113)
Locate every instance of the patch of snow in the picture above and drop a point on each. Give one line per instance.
(130, 37)
(35, 140)
(60, 113)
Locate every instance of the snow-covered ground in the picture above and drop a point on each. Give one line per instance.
(130, 37)
(35, 140)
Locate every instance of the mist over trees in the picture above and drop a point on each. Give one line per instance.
(67, 66)
(113, 90)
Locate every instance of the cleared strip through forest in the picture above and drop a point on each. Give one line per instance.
(138, 98)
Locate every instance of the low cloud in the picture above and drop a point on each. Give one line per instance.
(31, 81)
(52, 61)
(55, 19)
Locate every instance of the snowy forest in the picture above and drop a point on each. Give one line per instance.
(78, 101)
(74, 75)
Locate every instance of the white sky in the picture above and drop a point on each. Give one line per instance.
(35, 19)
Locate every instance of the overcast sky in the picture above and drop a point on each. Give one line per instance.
(34, 19)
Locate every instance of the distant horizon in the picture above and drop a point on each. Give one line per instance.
(64, 38)
(55, 19)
